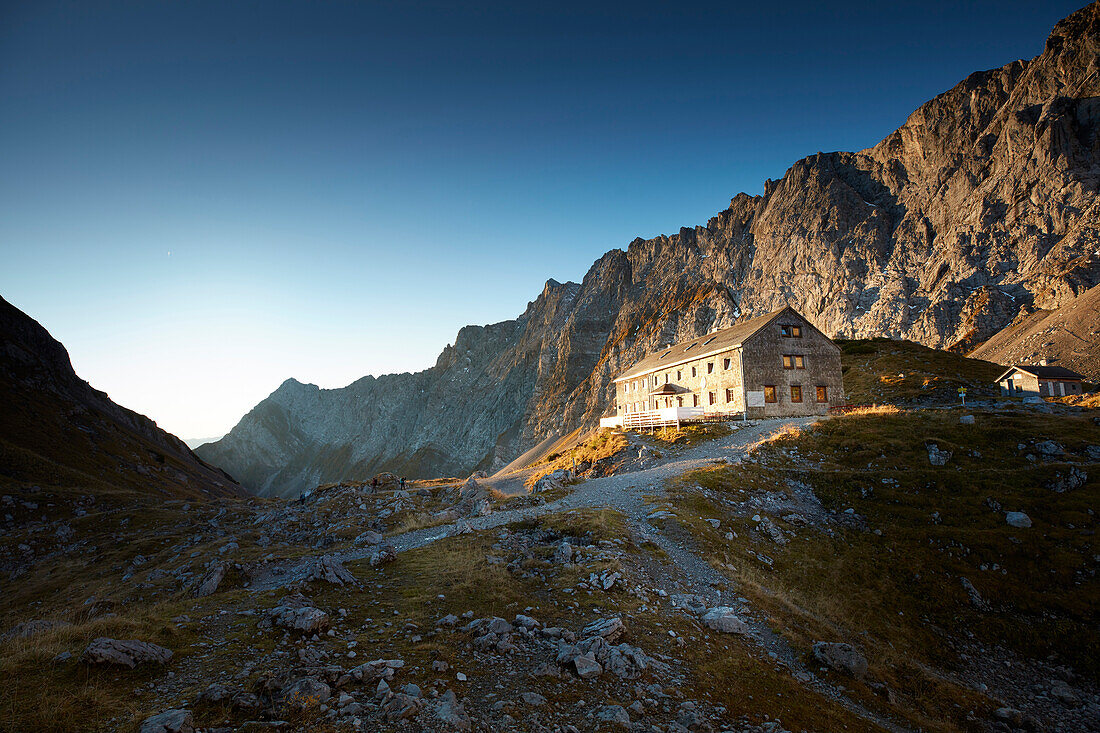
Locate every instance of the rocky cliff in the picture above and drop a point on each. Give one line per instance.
(56, 430)
(984, 203)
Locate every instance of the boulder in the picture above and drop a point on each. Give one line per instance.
(966, 420)
(305, 693)
(841, 657)
(1018, 519)
(378, 669)
(975, 597)
(306, 619)
(533, 698)
(558, 479)
(215, 693)
(607, 628)
(1049, 449)
(125, 653)
(726, 620)
(450, 713)
(170, 721)
(689, 602)
(210, 582)
(384, 554)
(525, 622)
(563, 554)
(400, 706)
(497, 625)
(329, 569)
(586, 666)
(936, 456)
(1062, 483)
(614, 715)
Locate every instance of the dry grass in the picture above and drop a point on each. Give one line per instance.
(1089, 401)
(899, 594)
(884, 370)
(688, 435)
(866, 410)
(603, 444)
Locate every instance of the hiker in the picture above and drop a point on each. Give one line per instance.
(402, 483)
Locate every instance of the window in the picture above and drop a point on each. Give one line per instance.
(679, 376)
(695, 400)
(729, 395)
(668, 402)
(679, 401)
(710, 367)
(709, 340)
(711, 396)
(796, 393)
(662, 356)
(726, 363)
(794, 361)
(693, 372)
(791, 331)
(822, 393)
(769, 393)
(666, 379)
(691, 347)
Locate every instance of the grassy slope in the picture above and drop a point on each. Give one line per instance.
(899, 595)
(884, 370)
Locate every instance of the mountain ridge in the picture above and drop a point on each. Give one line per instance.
(983, 203)
(57, 429)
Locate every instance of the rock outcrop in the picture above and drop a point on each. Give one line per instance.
(983, 205)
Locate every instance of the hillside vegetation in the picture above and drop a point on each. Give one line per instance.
(915, 563)
(887, 370)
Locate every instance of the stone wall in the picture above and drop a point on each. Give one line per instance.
(763, 354)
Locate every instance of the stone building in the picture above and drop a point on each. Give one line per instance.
(1025, 380)
(777, 364)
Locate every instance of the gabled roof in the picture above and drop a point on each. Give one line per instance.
(711, 343)
(1043, 372)
(668, 389)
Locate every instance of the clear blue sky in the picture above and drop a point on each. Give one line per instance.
(200, 199)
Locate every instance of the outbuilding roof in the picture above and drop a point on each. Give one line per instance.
(711, 343)
(1043, 372)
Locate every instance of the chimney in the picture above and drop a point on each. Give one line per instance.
(1042, 362)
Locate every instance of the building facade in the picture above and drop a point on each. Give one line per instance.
(1025, 380)
(777, 364)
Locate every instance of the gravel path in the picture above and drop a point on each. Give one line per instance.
(626, 493)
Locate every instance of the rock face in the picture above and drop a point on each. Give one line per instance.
(77, 434)
(1068, 336)
(982, 206)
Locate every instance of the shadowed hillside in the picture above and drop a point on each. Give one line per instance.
(56, 430)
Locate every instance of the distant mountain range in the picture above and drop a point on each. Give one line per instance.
(980, 209)
(194, 443)
(56, 430)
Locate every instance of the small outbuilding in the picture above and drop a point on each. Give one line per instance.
(1026, 380)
